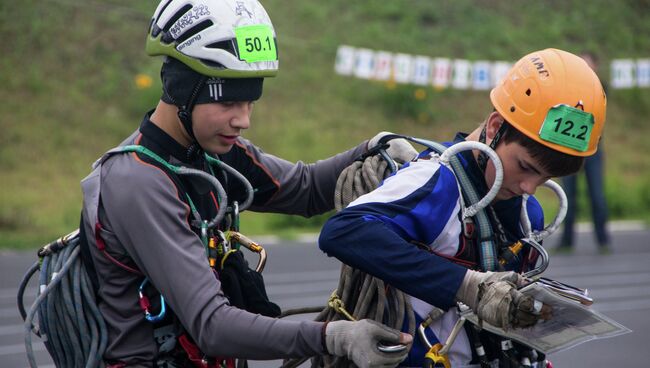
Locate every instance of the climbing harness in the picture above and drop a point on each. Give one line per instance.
(69, 322)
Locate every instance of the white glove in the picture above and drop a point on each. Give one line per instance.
(400, 150)
(358, 342)
(494, 297)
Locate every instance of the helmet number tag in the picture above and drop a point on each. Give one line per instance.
(256, 43)
(568, 127)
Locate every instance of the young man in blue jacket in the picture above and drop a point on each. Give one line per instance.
(549, 113)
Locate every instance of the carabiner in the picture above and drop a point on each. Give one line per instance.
(145, 304)
(437, 356)
(241, 239)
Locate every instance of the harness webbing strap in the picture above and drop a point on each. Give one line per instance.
(487, 248)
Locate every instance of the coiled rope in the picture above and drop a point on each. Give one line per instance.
(359, 295)
(69, 322)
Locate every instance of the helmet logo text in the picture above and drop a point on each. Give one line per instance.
(539, 65)
(188, 42)
(241, 8)
(188, 19)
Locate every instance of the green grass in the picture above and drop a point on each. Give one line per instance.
(67, 74)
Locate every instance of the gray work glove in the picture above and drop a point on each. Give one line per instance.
(494, 297)
(358, 342)
(400, 150)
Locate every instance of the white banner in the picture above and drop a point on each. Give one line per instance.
(383, 65)
(441, 72)
(344, 60)
(462, 74)
(643, 72)
(499, 71)
(481, 79)
(364, 64)
(421, 70)
(623, 73)
(402, 66)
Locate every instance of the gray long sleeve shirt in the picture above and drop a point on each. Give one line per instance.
(136, 209)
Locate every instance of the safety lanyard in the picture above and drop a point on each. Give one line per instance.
(203, 225)
(487, 247)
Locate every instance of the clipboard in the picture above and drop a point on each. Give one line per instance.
(573, 322)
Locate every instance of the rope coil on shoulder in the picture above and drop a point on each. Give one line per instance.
(359, 295)
(73, 331)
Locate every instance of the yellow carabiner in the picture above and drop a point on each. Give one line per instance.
(433, 358)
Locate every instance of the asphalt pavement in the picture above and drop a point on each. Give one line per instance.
(299, 275)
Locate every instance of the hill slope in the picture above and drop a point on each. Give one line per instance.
(68, 72)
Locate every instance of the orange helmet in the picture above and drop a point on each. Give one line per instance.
(554, 98)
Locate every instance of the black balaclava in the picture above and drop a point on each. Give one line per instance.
(184, 88)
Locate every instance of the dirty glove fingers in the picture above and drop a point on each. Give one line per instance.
(382, 332)
(495, 303)
(358, 342)
(527, 311)
(502, 305)
(468, 293)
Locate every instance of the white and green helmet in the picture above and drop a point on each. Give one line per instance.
(217, 38)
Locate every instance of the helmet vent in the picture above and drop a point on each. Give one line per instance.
(528, 92)
(224, 45)
(194, 30)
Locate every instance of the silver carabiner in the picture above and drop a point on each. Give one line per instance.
(533, 238)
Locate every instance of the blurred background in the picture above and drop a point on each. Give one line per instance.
(75, 80)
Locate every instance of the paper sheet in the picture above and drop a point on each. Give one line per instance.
(572, 323)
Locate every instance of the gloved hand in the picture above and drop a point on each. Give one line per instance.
(494, 297)
(358, 342)
(400, 150)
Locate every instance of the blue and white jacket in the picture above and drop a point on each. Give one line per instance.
(419, 204)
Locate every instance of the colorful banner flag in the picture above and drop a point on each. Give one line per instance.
(441, 73)
(383, 66)
(481, 79)
(421, 70)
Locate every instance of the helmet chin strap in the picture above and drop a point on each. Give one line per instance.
(185, 111)
(482, 157)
